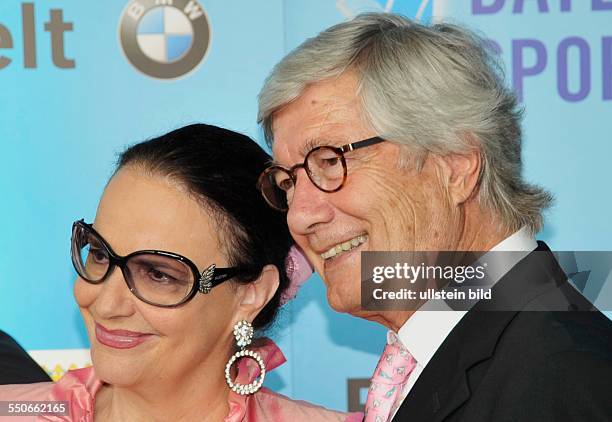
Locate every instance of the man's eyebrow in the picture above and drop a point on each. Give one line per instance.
(311, 144)
(308, 146)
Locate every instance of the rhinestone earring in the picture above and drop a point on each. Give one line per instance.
(243, 332)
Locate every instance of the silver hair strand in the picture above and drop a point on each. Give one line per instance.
(432, 89)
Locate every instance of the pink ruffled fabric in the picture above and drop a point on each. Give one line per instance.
(298, 270)
(80, 386)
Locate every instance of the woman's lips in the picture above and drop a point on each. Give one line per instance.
(119, 339)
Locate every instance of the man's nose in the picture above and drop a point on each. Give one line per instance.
(309, 206)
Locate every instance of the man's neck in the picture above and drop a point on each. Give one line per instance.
(480, 232)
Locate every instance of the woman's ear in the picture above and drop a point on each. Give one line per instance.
(258, 293)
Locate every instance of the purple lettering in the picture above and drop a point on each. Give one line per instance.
(519, 71)
(606, 67)
(478, 8)
(518, 6)
(584, 69)
(566, 5)
(601, 5)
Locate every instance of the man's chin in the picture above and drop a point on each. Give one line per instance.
(345, 303)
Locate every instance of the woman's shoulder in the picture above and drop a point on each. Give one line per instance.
(77, 387)
(266, 405)
(272, 406)
(25, 392)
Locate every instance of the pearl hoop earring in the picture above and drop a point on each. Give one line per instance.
(243, 332)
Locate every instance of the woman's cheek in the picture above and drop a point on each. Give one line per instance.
(84, 293)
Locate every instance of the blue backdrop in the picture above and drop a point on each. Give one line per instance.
(70, 99)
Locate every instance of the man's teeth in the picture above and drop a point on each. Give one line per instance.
(344, 246)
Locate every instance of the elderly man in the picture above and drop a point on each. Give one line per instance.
(392, 136)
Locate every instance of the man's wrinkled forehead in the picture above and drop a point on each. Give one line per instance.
(323, 112)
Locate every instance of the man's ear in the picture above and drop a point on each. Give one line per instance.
(256, 294)
(462, 174)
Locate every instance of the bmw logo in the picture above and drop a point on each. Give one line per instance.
(165, 39)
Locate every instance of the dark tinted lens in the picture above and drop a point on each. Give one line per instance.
(160, 279)
(275, 185)
(89, 255)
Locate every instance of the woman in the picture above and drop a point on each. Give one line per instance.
(183, 256)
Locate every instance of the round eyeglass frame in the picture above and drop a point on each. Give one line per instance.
(203, 282)
(292, 171)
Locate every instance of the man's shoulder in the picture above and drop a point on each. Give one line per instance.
(16, 366)
(555, 364)
(539, 334)
(551, 315)
(545, 366)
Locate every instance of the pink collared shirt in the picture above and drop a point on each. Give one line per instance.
(79, 387)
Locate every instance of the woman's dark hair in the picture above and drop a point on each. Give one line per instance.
(220, 168)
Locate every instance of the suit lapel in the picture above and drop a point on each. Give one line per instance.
(443, 385)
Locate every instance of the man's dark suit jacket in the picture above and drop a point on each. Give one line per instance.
(521, 365)
(16, 366)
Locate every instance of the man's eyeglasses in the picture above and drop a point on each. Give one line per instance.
(158, 278)
(324, 165)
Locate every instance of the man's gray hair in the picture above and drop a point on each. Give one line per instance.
(436, 89)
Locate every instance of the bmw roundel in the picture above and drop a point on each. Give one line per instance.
(164, 39)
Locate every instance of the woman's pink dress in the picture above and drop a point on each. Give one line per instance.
(79, 387)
